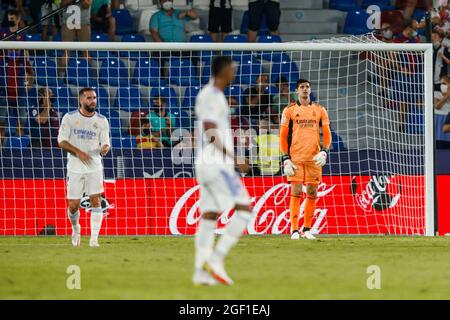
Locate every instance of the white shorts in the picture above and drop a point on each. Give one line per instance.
(80, 183)
(220, 189)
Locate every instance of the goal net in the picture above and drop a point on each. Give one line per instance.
(378, 179)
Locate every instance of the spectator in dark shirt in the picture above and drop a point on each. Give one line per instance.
(17, 78)
(408, 35)
(44, 121)
(102, 19)
(220, 18)
(446, 127)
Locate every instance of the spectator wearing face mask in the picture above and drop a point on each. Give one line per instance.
(168, 24)
(441, 58)
(408, 35)
(441, 110)
(385, 34)
(161, 121)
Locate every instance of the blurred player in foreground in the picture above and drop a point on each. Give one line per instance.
(220, 185)
(84, 134)
(302, 154)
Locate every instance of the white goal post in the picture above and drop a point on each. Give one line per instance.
(362, 106)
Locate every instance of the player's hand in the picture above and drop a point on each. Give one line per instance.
(289, 168)
(84, 157)
(243, 167)
(105, 149)
(320, 158)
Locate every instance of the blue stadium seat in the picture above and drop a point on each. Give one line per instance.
(344, 5)
(206, 73)
(182, 118)
(63, 99)
(356, 22)
(17, 142)
(275, 55)
(189, 97)
(113, 72)
(418, 14)
(269, 39)
(102, 99)
(286, 68)
(234, 91)
(133, 55)
(101, 54)
(80, 73)
(263, 28)
(123, 142)
(46, 72)
(235, 38)
(129, 99)
(203, 38)
(249, 69)
(124, 22)
(33, 37)
(147, 73)
(383, 4)
(166, 92)
(182, 73)
(114, 123)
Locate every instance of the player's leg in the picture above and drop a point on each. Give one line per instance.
(294, 208)
(75, 187)
(313, 176)
(255, 12)
(94, 188)
(233, 231)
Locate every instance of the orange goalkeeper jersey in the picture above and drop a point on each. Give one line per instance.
(305, 125)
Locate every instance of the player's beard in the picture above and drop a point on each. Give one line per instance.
(88, 108)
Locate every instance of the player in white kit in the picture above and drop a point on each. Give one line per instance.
(84, 134)
(220, 185)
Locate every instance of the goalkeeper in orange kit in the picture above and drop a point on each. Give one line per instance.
(302, 154)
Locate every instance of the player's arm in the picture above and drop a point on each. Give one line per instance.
(288, 166)
(210, 130)
(105, 140)
(321, 157)
(63, 142)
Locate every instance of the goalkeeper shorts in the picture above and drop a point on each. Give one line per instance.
(79, 184)
(307, 172)
(220, 189)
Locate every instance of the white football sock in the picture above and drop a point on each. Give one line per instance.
(96, 222)
(204, 241)
(74, 219)
(233, 232)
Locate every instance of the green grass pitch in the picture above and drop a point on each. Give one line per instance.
(263, 267)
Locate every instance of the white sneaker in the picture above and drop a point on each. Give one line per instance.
(203, 278)
(76, 236)
(217, 270)
(93, 242)
(308, 235)
(295, 235)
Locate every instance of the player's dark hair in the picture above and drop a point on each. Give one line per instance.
(300, 81)
(219, 63)
(84, 90)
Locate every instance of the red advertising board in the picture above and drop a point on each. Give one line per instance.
(443, 185)
(346, 205)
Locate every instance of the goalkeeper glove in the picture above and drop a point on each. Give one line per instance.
(288, 166)
(321, 158)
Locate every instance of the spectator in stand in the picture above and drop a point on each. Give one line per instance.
(168, 24)
(148, 139)
(70, 32)
(385, 34)
(441, 110)
(283, 98)
(102, 19)
(17, 77)
(256, 10)
(53, 23)
(161, 121)
(13, 5)
(256, 102)
(446, 127)
(220, 17)
(408, 35)
(44, 121)
(441, 58)
(115, 4)
(236, 120)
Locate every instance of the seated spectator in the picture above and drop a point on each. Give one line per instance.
(256, 10)
(446, 127)
(283, 98)
(51, 24)
(44, 121)
(220, 19)
(268, 142)
(17, 78)
(252, 108)
(168, 24)
(115, 4)
(72, 32)
(441, 58)
(136, 122)
(408, 35)
(102, 19)
(441, 110)
(161, 121)
(236, 120)
(147, 139)
(385, 34)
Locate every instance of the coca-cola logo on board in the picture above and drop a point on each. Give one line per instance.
(379, 193)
